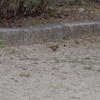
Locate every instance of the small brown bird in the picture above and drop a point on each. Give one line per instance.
(54, 48)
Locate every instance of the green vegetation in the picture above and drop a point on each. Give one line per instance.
(27, 13)
(18, 8)
(98, 70)
(88, 68)
(13, 8)
(25, 75)
(56, 60)
(87, 58)
(1, 41)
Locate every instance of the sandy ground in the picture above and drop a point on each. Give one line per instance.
(35, 72)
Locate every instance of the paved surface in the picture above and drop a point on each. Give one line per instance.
(35, 72)
(48, 33)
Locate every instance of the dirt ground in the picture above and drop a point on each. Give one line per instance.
(36, 72)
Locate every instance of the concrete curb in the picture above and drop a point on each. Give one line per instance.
(47, 33)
